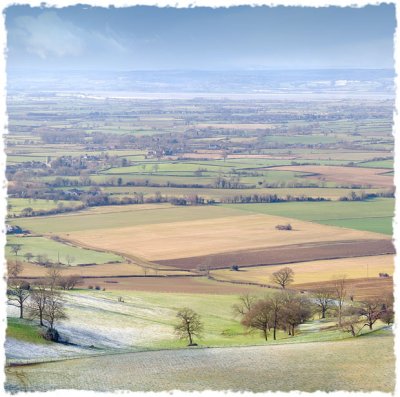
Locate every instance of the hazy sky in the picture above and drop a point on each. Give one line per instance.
(150, 38)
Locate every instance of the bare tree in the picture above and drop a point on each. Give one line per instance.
(324, 298)
(277, 300)
(54, 309)
(70, 259)
(340, 293)
(189, 325)
(28, 256)
(351, 322)
(295, 311)
(38, 300)
(53, 276)
(15, 248)
(14, 269)
(18, 292)
(371, 311)
(69, 282)
(387, 315)
(42, 259)
(283, 277)
(259, 316)
(246, 302)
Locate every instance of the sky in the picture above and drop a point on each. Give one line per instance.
(236, 38)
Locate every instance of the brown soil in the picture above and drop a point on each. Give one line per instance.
(193, 285)
(286, 254)
(360, 289)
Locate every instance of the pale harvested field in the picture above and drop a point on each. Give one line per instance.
(209, 236)
(348, 175)
(315, 271)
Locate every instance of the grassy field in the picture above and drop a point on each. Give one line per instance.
(377, 164)
(315, 271)
(57, 251)
(341, 365)
(24, 330)
(220, 194)
(18, 204)
(122, 216)
(372, 215)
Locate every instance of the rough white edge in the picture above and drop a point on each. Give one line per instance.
(189, 4)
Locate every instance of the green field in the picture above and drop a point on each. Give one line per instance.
(18, 204)
(377, 164)
(145, 320)
(372, 215)
(122, 216)
(24, 330)
(58, 251)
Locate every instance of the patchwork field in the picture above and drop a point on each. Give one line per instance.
(184, 239)
(116, 217)
(371, 215)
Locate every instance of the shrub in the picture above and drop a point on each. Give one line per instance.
(284, 227)
(51, 334)
(97, 288)
(90, 286)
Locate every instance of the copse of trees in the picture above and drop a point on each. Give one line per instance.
(283, 310)
(357, 316)
(41, 299)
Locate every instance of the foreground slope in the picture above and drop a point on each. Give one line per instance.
(343, 365)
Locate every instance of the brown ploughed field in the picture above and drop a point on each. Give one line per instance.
(361, 288)
(286, 254)
(190, 285)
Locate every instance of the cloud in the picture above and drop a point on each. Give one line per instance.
(48, 36)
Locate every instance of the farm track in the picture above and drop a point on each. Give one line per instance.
(286, 254)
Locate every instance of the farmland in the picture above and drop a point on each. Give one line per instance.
(152, 201)
(316, 271)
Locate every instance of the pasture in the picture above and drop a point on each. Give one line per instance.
(57, 251)
(371, 215)
(330, 366)
(16, 205)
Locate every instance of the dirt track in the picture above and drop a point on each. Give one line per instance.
(286, 254)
